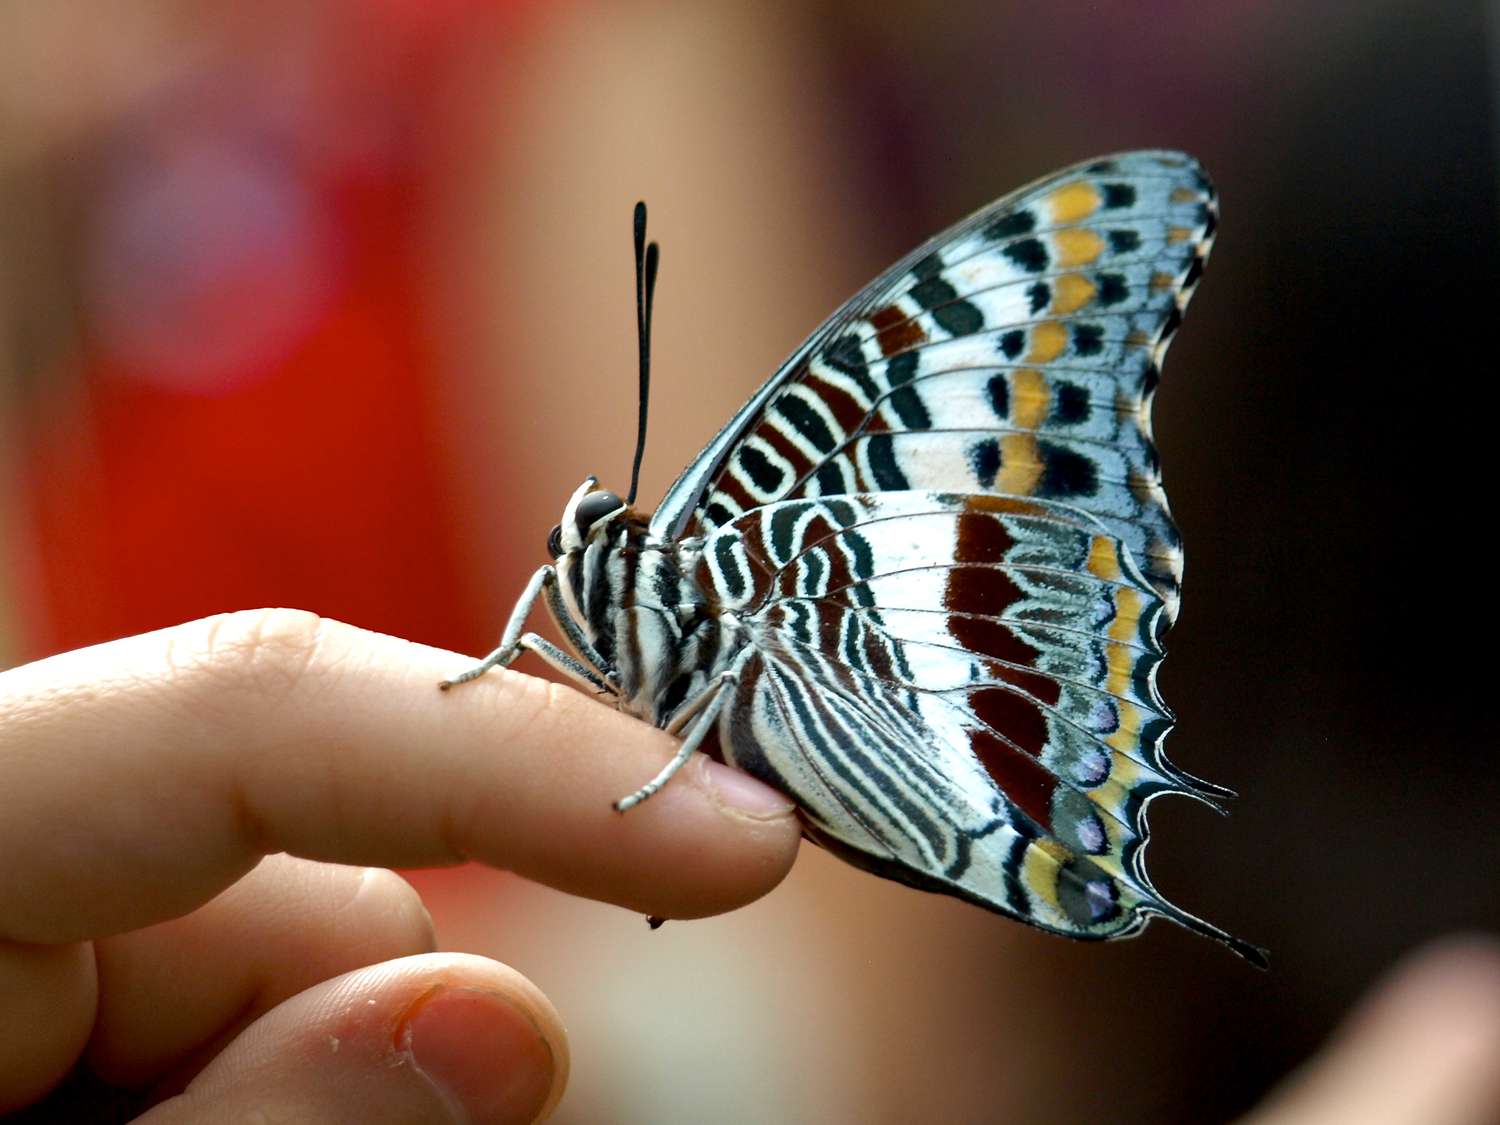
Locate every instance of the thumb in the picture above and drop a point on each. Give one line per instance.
(438, 1037)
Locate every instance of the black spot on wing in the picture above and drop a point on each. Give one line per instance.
(1012, 342)
(1124, 241)
(1065, 472)
(984, 459)
(784, 529)
(830, 478)
(958, 318)
(1038, 294)
(905, 400)
(1088, 339)
(1070, 404)
(928, 267)
(807, 422)
(882, 454)
(729, 567)
(1112, 289)
(933, 292)
(762, 473)
(999, 395)
(1119, 195)
(1028, 254)
(1010, 226)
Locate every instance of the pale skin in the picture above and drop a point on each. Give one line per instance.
(187, 906)
(196, 808)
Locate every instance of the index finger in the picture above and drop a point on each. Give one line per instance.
(143, 776)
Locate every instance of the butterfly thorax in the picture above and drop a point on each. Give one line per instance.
(663, 637)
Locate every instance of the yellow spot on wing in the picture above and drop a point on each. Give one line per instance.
(1020, 465)
(1104, 559)
(1071, 292)
(1162, 281)
(1048, 341)
(1179, 234)
(1077, 246)
(1184, 195)
(1123, 630)
(1030, 398)
(1039, 875)
(1073, 202)
(1114, 792)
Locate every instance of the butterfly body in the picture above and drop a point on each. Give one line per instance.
(920, 581)
(659, 636)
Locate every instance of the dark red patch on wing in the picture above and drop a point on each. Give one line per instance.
(1013, 716)
(980, 589)
(981, 538)
(1020, 777)
(845, 408)
(895, 330)
(1034, 684)
(990, 638)
(729, 485)
(993, 639)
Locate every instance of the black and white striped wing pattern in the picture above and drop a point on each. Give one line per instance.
(1014, 354)
(943, 526)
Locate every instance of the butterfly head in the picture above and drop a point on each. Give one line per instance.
(590, 510)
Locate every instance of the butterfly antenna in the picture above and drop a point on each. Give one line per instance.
(647, 260)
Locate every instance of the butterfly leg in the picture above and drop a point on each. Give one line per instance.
(513, 641)
(708, 704)
(565, 662)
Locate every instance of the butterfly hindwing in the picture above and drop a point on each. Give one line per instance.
(959, 691)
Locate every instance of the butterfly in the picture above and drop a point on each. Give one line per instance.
(920, 581)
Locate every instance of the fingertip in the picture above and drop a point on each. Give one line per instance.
(435, 1037)
(483, 1053)
(764, 830)
(739, 794)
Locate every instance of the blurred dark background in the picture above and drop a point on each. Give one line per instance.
(330, 307)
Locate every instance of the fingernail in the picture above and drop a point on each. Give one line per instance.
(737, 790)
(482, 1053)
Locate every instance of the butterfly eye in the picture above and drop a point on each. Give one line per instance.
(554, 541)
(594, 507)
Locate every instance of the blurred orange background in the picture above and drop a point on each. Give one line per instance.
(328, 304)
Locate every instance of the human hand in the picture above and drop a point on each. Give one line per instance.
(175, 811)
(1423, 1048)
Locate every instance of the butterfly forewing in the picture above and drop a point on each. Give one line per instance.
(1015, 354)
